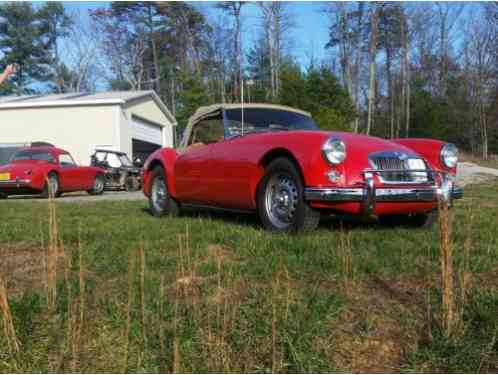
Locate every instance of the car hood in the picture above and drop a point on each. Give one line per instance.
(363, 145)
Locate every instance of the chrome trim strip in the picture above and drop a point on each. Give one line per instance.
(15, 182)
(334, 195)
(369, 196)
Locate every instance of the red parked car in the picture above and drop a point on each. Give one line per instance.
(273, 160)
(47, 171)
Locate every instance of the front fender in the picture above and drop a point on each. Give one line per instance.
(430, 149)
(165, 158)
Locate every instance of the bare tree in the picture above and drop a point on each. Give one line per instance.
(479, 50)
(234, 9)
(277, 23)
(372, 54)
(346, 32)
(448, 15)
(80, 52)
(123, 47)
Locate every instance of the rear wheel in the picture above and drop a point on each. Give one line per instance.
(160, 202)
(281, 205)
(51, 188)
(424, 221)
(132, 183)
(3, 196)
(98, 185)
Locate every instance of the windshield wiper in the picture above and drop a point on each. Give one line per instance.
(278, 127)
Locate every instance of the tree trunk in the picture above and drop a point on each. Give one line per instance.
(357, 66)
(405, 77)
(390, 91)
(157, 75)
(373, 55)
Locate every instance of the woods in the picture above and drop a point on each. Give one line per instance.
(388, 69)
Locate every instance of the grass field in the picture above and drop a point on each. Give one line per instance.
(111, 289)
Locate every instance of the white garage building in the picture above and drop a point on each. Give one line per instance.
(135, 122)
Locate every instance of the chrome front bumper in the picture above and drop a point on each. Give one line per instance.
(369, 195)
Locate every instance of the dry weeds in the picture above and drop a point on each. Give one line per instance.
(7, 322)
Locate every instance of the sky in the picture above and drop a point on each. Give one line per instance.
(310, 33)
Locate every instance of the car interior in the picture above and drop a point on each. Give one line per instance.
(206, 131)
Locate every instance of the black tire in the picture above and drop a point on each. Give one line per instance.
(423, 221)
(3, 196)
(160, 202)
(284, 210)
(51, 187)
(98, 185)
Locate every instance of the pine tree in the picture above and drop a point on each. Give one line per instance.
(22, 41)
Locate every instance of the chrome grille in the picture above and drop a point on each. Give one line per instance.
(400, 167)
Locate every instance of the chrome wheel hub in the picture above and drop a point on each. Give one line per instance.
(99, 184)
(159, 194)
(53, 186)
(281, 199)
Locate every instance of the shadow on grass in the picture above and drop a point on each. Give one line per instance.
(327, 222)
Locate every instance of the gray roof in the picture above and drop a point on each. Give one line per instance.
(75, 99)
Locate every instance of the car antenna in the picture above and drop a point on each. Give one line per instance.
(242, 104)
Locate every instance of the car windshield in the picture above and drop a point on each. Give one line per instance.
(125, 160)
(32, 155)
(266, 119)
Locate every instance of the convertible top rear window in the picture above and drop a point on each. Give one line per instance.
(33, 155)
(267, 119)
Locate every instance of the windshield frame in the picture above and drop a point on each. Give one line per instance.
(125, 160)
(304, 123)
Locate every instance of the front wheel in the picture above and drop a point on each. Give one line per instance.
(160, 202)
(51, 188)
(281, 205)
(98, 185)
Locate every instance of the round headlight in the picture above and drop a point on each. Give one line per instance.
(449, 155)
(334, 150)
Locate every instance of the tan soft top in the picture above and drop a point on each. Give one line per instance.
(210, 110)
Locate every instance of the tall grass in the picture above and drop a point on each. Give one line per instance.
(131, 265)
(447, 273)
(52, 253)
(455, 277)
(346, 262)
(7, 322)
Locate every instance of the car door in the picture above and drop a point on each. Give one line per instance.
(193, 167)
(69, 173)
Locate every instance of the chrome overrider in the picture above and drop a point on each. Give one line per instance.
(369, 194)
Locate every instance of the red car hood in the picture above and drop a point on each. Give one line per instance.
(363, 145)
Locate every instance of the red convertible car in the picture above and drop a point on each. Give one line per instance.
(273, 160)
(49, 171)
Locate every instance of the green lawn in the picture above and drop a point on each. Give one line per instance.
(222, 295)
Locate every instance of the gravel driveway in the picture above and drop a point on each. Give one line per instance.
(469, 173)
(84, 197)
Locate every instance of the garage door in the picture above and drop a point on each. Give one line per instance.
(146, 131)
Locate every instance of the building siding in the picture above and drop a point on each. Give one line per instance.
(76, 129)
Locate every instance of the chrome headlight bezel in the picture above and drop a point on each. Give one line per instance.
(449, 155)
(334, 150)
